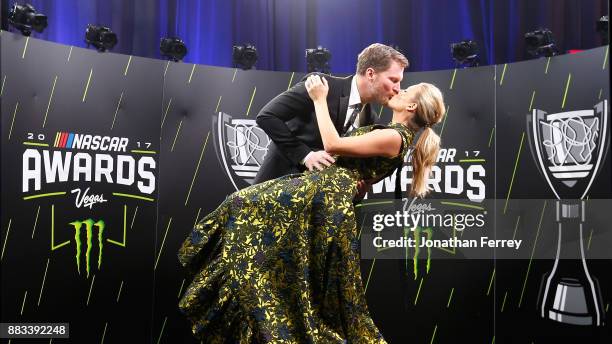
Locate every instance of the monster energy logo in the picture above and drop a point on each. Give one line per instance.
(89, 225)
(417, 238)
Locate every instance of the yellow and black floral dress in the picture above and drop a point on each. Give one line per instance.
(278, 262)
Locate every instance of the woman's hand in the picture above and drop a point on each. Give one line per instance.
(317, 87)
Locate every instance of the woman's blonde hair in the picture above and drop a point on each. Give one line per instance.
(430, 110)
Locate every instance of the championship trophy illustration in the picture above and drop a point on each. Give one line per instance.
(241, 147)
(569, 150)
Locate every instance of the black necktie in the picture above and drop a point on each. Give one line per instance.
(356, 111)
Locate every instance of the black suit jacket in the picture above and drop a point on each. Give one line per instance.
(290, 121)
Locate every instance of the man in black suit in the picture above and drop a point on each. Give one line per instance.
(289, 119)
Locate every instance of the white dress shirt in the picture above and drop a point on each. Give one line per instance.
(354, 99)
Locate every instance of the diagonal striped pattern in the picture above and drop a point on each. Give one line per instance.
(42, 285)
(444, 122)
(531, 102)
(178, 130)
(501, 81)
(450, 297)
(104, 333)
(8, 229)
(64, 140)
(49, 103)
(195, 174)
(369, 275)
(589, 242)
(181, 289)
(433, 336)
(166, 113)
(87, 85)
(191, 74)
(535, 243)
(127, 66)
(25, 47)
(218, 104)
(196, 218)
(25, 296)
(567, 85)
(2, 87)
(453, 79)
(504, 302)
(134, 217)
(416, 298)
(516, 225)
(290, 80)
(13, 120)
(166, 69)
(491, 282)
(119, 292)
(90, 289)
(162, 244)
(35, 221)
(117, 110)
(161, 332)
(518, 156)
(251, 101)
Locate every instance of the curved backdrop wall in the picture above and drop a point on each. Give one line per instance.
(109, 160)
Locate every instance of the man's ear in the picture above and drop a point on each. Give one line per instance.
(369, 73)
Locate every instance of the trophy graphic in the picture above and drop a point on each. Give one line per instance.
(569, 148)
(241, 147)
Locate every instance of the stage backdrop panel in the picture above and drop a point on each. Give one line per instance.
(562, 85)
(80, 143)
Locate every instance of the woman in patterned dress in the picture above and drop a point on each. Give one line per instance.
(278, 262)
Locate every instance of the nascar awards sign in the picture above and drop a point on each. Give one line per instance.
(80, 183)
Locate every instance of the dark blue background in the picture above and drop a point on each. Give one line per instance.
(283, 29)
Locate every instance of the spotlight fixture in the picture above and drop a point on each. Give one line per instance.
(318, 60)
(465, 53)
(173, 48)
(100, 37)
(25, 19)
(244, 56)
(602, 28)
(540, 43)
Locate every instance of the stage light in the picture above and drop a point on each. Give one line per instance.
(244, 56)
(465, 53)
(100, 37)
(540, 43)
(602, 28)
(25, 19)
(318, 60)
(173, 48)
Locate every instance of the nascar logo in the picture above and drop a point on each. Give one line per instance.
(90, 142)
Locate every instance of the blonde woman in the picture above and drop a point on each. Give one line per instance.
(279, 261)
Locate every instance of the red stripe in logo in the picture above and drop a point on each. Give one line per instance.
(64, 137)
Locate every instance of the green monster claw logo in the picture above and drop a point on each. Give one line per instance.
(417, 238)
(89, 224)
